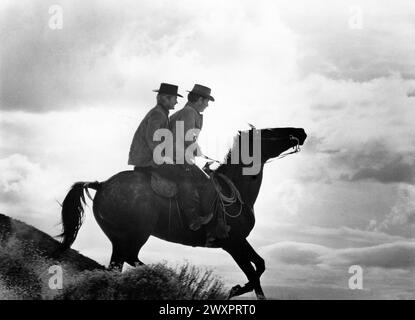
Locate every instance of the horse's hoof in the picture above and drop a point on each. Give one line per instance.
(261, 297)
(233, 292)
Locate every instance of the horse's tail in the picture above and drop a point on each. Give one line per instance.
(73, 212)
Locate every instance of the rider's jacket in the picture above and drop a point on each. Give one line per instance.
(185, 125)
(143, 144)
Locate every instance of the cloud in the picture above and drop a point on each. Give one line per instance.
(394, 172)
(338, 237)
(373, 153)
(93, 59)
(401, 218)
(29, 191)
(390, 256)
(397, 255)
(294, 253)
(359, 126)
(377, 161)
(46, 67)
(287, 208)
(71, 140)
(111, 55)
(346, 52)
(289, 194)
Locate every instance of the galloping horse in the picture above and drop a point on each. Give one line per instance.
(129, 211)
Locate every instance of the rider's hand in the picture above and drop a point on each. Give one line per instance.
(168, 160)
(206, 168)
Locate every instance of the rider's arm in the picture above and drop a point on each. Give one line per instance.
(155, 122)
(188, 117)
(189, 134)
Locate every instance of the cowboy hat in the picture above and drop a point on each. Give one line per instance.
(169, 89)
(202, 91)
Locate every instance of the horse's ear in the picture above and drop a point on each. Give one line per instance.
(252, 126)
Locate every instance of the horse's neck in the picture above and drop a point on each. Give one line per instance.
(248, 185)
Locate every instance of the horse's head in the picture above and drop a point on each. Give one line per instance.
(270, 142)
(274, 141)
(252, 148)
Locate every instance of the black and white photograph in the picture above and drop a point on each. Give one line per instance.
(229, 151)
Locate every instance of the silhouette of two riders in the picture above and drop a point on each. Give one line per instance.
(186, 174)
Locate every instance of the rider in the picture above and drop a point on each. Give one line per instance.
(186, 125)
(143, 144)
(142, 148)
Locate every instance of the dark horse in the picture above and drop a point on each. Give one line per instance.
(128, 211)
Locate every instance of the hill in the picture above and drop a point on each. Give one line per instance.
(17, 232)
(31, 269)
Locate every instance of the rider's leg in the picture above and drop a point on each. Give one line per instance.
(189, 197)
(188, 193)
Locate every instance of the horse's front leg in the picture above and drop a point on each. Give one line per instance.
(259, 263)
(239, 253)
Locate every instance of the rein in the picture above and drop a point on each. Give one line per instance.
(235, 196)
(291, 137)
(207, 158)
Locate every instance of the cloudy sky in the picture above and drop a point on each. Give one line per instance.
(72, 98)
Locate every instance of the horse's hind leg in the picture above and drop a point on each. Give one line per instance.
(127, 251)
(117, 257)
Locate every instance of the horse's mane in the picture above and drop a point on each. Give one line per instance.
(228, 156)
(235, 143)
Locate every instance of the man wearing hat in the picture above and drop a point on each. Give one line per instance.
(142, 149)
(191, 118)
(143, 144)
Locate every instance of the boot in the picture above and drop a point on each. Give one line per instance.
(217, 232)
(190, 202)
(222, 229)
(197, 222)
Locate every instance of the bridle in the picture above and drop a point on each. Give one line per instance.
(296, 147)
(235, 197)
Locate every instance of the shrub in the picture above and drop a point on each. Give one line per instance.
(152, 282)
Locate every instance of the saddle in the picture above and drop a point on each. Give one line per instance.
(162, 186)
(212, 200)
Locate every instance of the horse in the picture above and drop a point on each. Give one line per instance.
(129, 211)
